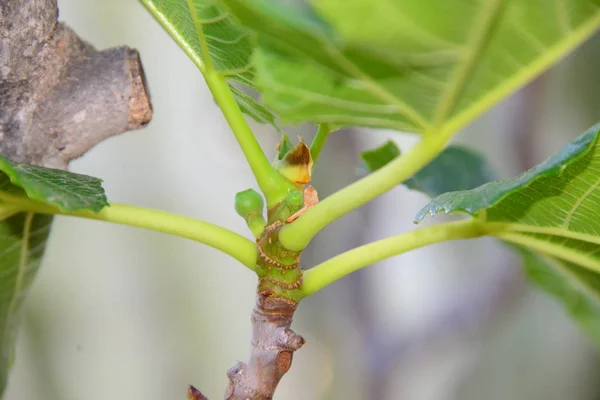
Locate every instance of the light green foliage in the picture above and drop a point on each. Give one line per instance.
(285, 146)
(560, 192)
(455, 168)
(22, 241)
(424, 66)
(378, 157)
(410, 65)
(62, 189)
(230, 46)
(250, 107)
(553, 209)
(23, 235)
(577, 288)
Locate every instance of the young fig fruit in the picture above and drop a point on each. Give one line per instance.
(249, 205)
(248, 202)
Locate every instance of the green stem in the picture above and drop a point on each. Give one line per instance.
(297, 235)
(274, 185)
(339, 266)
(317, 144)
(215, 236)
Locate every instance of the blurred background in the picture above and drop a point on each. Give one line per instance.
(121, 313)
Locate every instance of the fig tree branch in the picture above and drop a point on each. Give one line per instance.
(58, 95)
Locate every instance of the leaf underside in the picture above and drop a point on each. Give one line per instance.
(553, 210)
(409, 65)
(22, 242)
(230, 45)
(578, 289)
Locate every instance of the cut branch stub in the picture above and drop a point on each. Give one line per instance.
(59, 96)
(195, 394)
(273, 346)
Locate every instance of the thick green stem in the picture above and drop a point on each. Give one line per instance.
(215, 236)
(317, 144)
(274, 186)
(271, 183)
(297, 235)
(339, 266)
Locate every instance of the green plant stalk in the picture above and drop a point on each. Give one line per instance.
(273, 185)
(317, 144)
(339, 266)
(215, 236)
(297, 235)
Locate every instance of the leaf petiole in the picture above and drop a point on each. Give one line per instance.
(317, 144)
(215, 236)
(339, 266)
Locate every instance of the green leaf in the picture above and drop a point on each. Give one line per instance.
(285, 146)
(560, 192)
(552, 212)
(250, 107)
(23, 235)
(22, 241)
(229, 45)
(411, 65)
(379, 156)
(455, 168)
(576, 288)
(66, 190)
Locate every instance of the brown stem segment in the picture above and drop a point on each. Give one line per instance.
(278, 294)
(273, 346)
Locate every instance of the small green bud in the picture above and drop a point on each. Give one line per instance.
(294, 200)
(248, 202)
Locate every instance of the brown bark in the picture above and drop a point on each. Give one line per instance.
(59, 96)
(273, 346)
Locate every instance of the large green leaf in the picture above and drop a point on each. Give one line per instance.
(411, 65)
(229, 45)
(23, 235)
(562, 192)
(554, 210)
(455, 168)
(66, 190)
(22, 241)
(578, 289)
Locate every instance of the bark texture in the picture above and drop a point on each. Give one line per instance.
(59, 96)
(273, 346)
